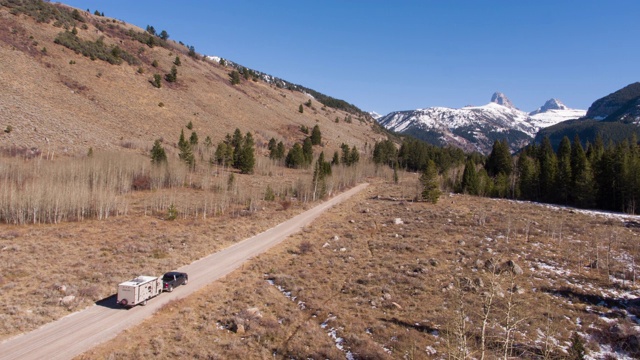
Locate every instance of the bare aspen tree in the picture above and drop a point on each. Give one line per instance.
(488, 297)
(511, 320)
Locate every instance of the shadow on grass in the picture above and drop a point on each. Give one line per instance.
(589, 299)
(416, 326)
(111, 302)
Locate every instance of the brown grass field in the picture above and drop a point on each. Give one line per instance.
(380, 277)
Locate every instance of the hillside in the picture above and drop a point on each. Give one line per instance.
(58, 101)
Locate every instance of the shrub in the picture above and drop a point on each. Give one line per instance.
(172, 212)
(94, 50)
(141, 182)
(157, 80)
(8, 129)
(269, 195)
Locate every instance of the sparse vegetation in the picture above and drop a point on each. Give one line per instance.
(95, 49)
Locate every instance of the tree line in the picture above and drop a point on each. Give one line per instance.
(597, 176)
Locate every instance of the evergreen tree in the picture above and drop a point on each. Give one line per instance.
(272, 147)
(280, 151)
(236, 143)
(385, 152)
(582, 182)
(564, 171)
(344, 159)
(470, 184)
(177, 61)
(224, 154)
(186, 152)
(158, 155)
(208, 142)
(307, 150)
(295, 157)
(246, 160)
(321, 170)
(301, 109)
(548, 171)
(499, 160)
(527, 178)
(164, 35)
(354, 156)
(193, 139)
(316, 136)
(336, 159)
(173, 75)
(429, 181)
(234, 77)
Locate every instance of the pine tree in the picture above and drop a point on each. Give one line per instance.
(173, 75)
(499, 160)
(307, 150)
(316, 136)
(564, 171)
(548, 171)
(186, 152)
(158, 155)
(164, 35)
(336, 159)
(344, 159)
(193, 139)
(247, 157)
(527, 178)
(429, 181)
(470, 184)
(354, 156)
(582, 182)
(177, 61)
(280, 151)
(295, 157)
(234, 77)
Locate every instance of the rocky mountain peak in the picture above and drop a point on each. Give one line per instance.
(501, 99)
(552, 104)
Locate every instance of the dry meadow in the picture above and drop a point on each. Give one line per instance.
(382, 277)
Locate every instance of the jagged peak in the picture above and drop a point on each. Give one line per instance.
(501, 99)
(551, 104)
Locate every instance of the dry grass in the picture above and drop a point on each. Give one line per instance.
(61, 108)
(122, 232)
(412, 288)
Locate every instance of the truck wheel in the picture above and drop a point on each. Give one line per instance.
(124, 302)
(186, 281)
(170, 288)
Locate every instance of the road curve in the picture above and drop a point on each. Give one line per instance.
(80, 331)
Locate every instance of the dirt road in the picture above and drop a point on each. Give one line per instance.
(79, 332)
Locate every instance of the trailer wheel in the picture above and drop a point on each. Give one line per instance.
(124, 302)
(144, 302)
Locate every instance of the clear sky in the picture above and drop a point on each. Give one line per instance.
(393, 55)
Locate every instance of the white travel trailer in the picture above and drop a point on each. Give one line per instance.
(139, 290)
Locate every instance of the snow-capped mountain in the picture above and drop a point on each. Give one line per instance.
(375, 115)
(475, 128)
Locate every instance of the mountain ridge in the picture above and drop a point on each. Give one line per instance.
(475, 128)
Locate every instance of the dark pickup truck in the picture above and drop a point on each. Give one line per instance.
(174, 279)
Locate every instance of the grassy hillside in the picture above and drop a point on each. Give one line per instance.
(60, 101)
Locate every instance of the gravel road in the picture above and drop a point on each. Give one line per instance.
(80, 331)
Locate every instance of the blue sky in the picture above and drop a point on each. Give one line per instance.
(385, 56)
